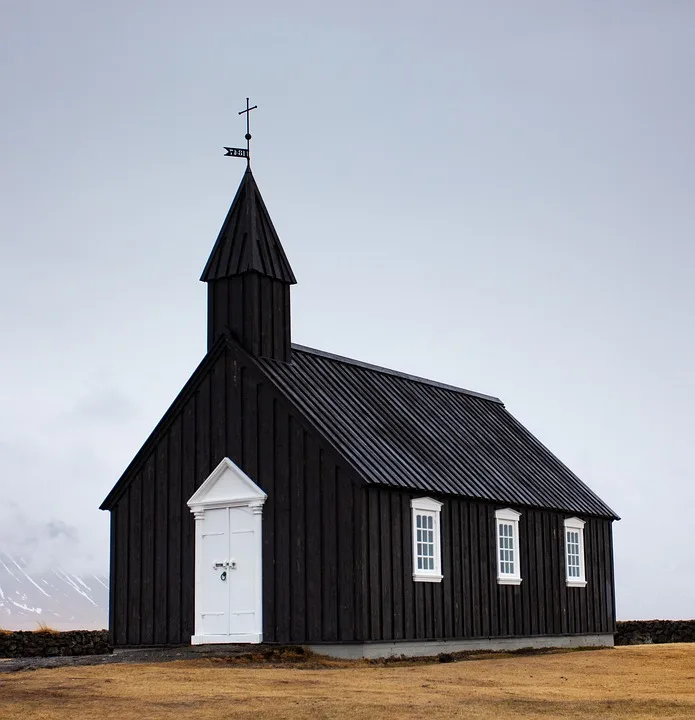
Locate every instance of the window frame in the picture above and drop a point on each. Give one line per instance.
(427, 507)
(507, 516)
(575, 524)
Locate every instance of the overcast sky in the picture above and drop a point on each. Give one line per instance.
(497, 195)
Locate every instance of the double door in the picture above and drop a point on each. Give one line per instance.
(228, 576)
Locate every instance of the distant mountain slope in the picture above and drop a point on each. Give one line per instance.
(60, 599)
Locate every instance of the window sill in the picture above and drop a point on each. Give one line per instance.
(508, 581)
(576, 583)
(421, 577)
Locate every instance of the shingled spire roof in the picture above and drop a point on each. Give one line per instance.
(247, 241)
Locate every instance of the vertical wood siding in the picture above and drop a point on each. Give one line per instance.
(256, 309)
(312, 558)
(469, 603)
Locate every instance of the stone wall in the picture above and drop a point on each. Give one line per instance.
(50, 644)
(640, 632)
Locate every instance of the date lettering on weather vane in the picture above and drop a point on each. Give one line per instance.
(236, 152)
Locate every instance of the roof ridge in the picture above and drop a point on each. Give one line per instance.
(395, 373)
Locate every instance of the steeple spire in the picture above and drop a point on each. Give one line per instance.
(249, 276)
(248, 241)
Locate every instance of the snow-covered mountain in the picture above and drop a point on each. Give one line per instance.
(57, 598)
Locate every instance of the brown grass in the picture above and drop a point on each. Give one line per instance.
(648, 681)
(41, 627)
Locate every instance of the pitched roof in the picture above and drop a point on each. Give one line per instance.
(406, 432)
(247, 241)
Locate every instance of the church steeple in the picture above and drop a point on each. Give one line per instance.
(249, 278)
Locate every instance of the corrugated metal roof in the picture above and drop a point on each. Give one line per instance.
(247, 241)
(402, 431)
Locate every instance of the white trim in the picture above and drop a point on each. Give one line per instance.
(227, 487)
(427, 504)
(423, 577)
(507, 516)
(224, 639)
(574, 524)
(245, 492)
(426, 507)
(199, 516)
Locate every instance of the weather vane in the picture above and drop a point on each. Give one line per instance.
(240, 152)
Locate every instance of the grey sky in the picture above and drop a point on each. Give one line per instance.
(496, 195)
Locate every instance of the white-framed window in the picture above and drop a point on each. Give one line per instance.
(575, 573)
(508, 560)
(427, 551)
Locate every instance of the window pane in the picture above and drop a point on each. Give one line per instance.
(573, 553)
(425, 546)
(506, 540)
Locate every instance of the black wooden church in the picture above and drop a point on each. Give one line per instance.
(289, 495)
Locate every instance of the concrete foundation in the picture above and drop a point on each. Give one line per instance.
(420, 648)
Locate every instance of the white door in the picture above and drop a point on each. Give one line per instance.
(228, 574)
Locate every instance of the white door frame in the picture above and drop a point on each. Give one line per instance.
(228, 487)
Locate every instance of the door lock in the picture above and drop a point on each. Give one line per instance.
(223, 576)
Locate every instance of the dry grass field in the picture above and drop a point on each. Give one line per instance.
(647, 681)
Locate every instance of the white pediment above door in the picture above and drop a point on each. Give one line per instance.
(226, 486)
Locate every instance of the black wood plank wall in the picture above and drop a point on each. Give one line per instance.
(256, 309)
(311, 556)
(468, 602)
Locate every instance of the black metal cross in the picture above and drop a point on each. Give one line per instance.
(248, 133)
(239, 152)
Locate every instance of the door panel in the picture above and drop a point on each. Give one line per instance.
(243, 574)
(215, 537)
